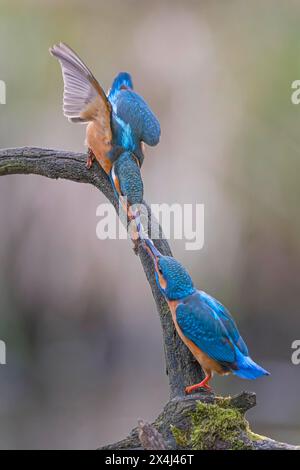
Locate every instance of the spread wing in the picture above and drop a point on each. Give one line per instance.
(84, 100)
(201, 324)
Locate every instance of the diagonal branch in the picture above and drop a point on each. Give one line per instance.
(181, 367)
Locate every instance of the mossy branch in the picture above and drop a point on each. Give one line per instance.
(181, 367)
(198, 421)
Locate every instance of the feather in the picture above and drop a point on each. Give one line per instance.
(247, 368)
(84, 100)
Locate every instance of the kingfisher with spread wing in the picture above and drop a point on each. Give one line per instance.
(121, 121)
(202, 322)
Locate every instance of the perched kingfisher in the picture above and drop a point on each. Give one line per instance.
(121, 121)
(202, 322)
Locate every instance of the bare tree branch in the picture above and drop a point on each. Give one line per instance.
(182, 369)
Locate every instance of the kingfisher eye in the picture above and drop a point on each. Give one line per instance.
(160, 270)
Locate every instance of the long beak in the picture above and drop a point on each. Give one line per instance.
(152, 250)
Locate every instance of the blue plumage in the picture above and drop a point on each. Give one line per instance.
(132, 123)
(227, 320)
(247, 368)
(119, 122)
(203, 322)
(132, 120)
(179, 283)
(127, 183)
(122, 81)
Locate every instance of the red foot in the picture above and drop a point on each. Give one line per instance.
(203, 384)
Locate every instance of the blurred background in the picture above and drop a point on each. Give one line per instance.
(84, 347)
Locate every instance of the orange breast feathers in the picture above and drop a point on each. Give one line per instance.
(208, 365)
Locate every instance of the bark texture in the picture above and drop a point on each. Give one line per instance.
(183, 423)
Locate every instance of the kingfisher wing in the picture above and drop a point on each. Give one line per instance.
(133, 110)
(200, 323)
(226, 318)
(84, 100)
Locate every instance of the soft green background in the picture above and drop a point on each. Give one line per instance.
(84, 351)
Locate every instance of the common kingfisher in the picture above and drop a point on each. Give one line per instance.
(117, 122)
(202, 322)
(127, 183)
